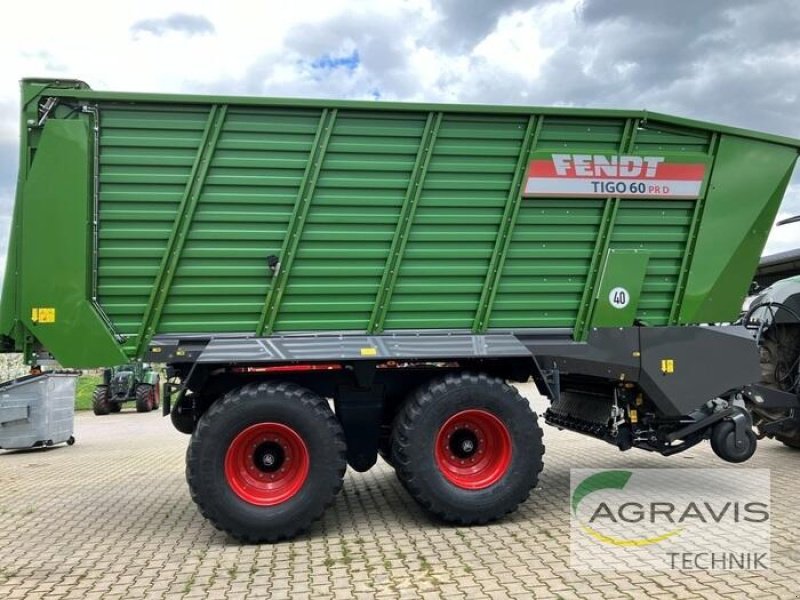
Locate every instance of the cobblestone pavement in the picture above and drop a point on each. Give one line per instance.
(111, 518)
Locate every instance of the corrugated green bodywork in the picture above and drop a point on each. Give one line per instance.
(139, 215)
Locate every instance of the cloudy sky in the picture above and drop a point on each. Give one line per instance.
(732, 61)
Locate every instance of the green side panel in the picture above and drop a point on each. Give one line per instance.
(554, 241)
(294, 233)
(351, 221)
(602, 245)
(664, 139)
(744, 195)
(146, 156)
(590, 135)
(547, 264)
(56, 263)
(405, 220)
(383, 217)
(456, 223)
(180, 229)
(618, 294)
(660, 228)
(505, 233)
(242, 216)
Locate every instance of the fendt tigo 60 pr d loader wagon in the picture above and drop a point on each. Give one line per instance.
(330, 280)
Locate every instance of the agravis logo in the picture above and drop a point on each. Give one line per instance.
(670, 518)
(603, 481)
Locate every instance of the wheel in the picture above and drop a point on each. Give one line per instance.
(144, 397)
(778, 353)
(392, 405)
(71, 440)
(182, 421)
(793, 441)
(115, 407)
(157, 393)
(723, 443)
(100, 402)
(468, 448)
(265, 461)
(385, 451)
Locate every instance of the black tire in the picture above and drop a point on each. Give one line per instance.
(779, 348)
(385, 451)
(792, 441)
(115, 407)
(144, 397)
(778, 352)
(100, 402)
(385, 445)
(414, 438)
(286, 404)
(723, 443)
(157, 393)
(182, 421)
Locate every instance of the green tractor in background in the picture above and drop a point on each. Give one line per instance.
(774, 312)
(135, 381)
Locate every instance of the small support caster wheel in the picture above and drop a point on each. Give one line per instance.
(71, 441)
(723, 442)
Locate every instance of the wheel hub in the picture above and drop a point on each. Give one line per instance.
(473, 449)
(269, 457)
(464, 443)
(267, 464)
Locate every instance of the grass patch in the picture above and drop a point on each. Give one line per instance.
(83, 395)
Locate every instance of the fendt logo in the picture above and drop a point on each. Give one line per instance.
(624, 176)
(597, 165)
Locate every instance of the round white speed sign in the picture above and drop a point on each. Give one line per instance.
(619, 297)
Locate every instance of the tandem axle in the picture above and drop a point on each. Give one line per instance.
(438, 409)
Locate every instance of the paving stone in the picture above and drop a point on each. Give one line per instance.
(111, 517)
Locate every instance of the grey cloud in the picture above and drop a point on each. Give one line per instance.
(709, 60)
(383, 60)
(732, 62)
(621, 53)
(187, 24)
(381, 50)
(677, 13)
(464, 23)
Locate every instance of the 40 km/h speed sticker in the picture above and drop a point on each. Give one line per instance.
(619, 297)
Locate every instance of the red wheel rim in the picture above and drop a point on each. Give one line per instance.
(473, 449)
(266, 464)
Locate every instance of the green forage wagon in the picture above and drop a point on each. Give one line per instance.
(328, 281)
